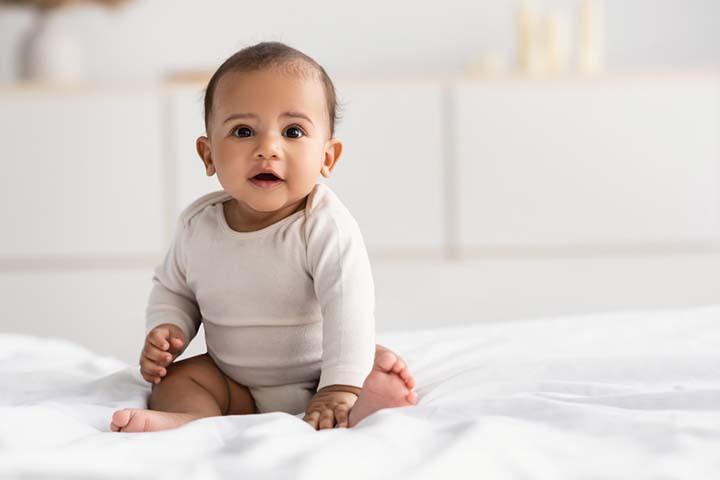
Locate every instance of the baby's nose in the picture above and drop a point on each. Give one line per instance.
(267, 147)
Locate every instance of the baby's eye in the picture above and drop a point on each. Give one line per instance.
(241, 132)
(294, 132)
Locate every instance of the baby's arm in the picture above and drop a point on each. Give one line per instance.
(172, 315)
(344, 287)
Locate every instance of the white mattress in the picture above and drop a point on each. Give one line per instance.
(622, 395)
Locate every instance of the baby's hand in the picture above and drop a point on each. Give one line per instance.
(162, 345)
(330, 407)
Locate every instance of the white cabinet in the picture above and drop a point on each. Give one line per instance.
(531, 185)
(104, 310)
(81, 174)
(185, 174)
(391, 174)
(588, 163)
(425, 293)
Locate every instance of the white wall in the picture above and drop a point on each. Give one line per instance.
(467, 254)
(478, 200)
(149, 37)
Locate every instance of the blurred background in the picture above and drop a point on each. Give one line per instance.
(505, 160)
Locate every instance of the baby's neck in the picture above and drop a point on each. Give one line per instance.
(240, 220)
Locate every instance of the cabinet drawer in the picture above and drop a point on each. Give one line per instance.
(390, 175)
(186, 174)
(81, 174)
(587, 163)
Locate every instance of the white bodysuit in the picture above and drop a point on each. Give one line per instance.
(287, 309)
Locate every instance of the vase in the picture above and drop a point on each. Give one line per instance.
(49, 53)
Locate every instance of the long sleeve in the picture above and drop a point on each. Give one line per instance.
(171, 300)
(343, 283)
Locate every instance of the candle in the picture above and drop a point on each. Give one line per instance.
(526, 48)
(556, 42)
(590, 51)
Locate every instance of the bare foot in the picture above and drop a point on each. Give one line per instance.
(133, 420)
(388, 385)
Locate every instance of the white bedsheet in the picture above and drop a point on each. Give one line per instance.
(621, 395)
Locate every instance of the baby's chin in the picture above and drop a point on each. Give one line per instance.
(270, 201)
(266, 206)
(269, 204)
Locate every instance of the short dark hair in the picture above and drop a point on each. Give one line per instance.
(273, 54)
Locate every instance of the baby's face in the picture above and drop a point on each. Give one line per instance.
(263, 121)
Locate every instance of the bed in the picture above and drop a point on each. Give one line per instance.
(632, 394)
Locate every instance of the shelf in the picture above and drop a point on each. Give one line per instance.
(200, 79)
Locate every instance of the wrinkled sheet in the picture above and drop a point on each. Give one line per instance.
(612, 395)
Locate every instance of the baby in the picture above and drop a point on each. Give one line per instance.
(273, 265)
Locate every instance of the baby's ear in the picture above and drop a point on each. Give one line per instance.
(202, 144)
(333, 150)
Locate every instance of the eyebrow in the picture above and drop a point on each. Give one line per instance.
(236, 116)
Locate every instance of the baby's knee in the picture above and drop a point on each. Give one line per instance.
(200, 370)
(198, 366)
(191, 373)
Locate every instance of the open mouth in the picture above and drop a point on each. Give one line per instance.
(266, 180)
(266, 176)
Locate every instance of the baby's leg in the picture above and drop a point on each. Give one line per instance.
(388, 385)
(193, 388)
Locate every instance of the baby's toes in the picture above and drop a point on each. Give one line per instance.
(120, 419)
(408, 378)
(385, 361)
(412, 398)
(403, 372)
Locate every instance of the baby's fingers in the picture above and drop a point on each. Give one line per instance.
(151, 369)
(158, 338)
(150, 378)
(327, 419)
(152, 366)
(176, 344)
(312, 418)
(341, 415)
(156, 355)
